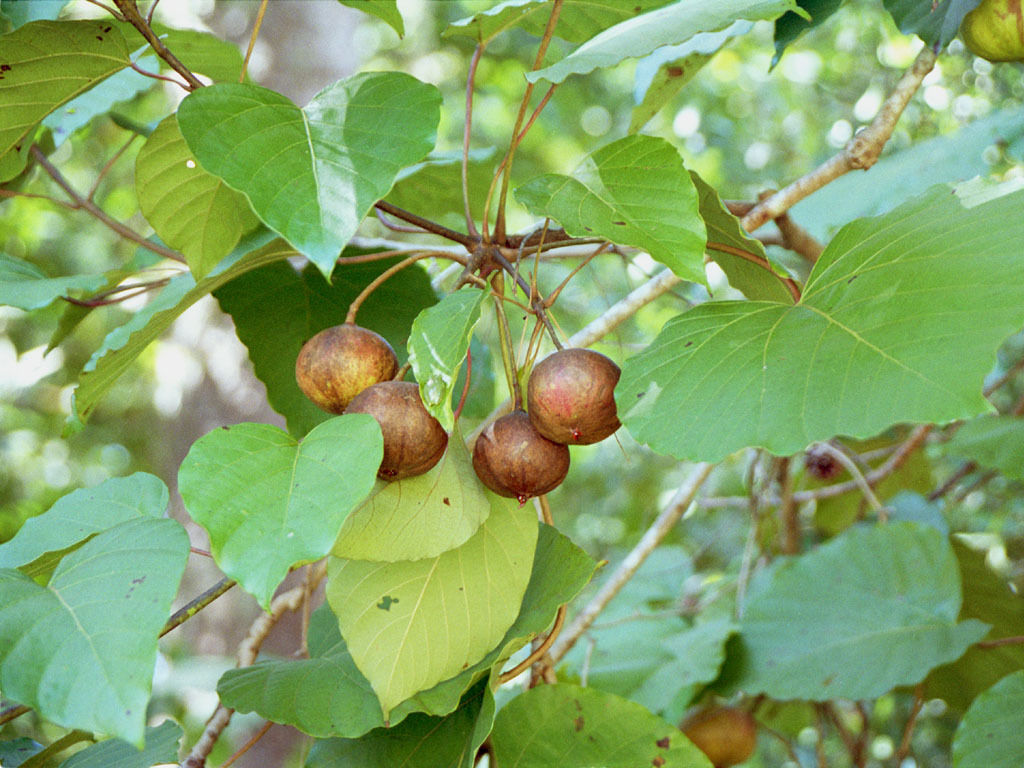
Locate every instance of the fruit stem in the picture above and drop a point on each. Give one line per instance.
(536, 303)
(508, 358)
(394, 269)
(477, 53)
(465, 387)
(401, 372)
(539, 652)
(597, 252)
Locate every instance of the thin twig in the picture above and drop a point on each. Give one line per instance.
(252, 42)
(963, 471)
(648, 542)
(861, 152)
(130, 10)
(157, 76)
(248, 745)
(1001, 641)
(538, 653)
(788, 510)
(197, 604)
(753, 258)
(87, 205)
(850, 466)
(112, 11)
(470, 78)
(908, 730)
(426, 224)
(109, 164)
(10, 713)
(357, 302)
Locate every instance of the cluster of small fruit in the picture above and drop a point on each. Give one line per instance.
(570, 397)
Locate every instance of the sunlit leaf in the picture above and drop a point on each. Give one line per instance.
(890, 329)
(269, 502)
(125, 578)
(385, 10)
(332, 160)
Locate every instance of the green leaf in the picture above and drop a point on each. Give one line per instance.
(936, 24)
(161, 747)
(14, 752)
(663, 73)
(990, 735)
(119, 87)
(670, 25)
(420, 741)
(791, 25)
(696, 655)
(418, 517)
(437, 346)
(993, 441)
(123, 345)
(326, 695)
(203, 53)
(888, 330)
(82, 514)
(389, 613)
(579, 20)
(190, 209)
(304, 304)
(988, 598)
(634, 191)
(386, 10)
(439, 179)
(332, 160)
(25, 286)
(269, 502)
(125, 577)
(44, 64)
(723, 227)
(889, 593)
(574, 727)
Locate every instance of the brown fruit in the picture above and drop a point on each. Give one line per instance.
(513, 459)
(571, 396)
(340, 362)
(414, 441)
(728, 736)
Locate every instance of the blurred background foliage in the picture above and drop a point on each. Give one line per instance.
(743, 124)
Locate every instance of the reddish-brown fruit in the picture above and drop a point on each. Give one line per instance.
(414, 441)
(571, 396)
(513, 459)
(821, 465)
(728, 736)
(340, 362)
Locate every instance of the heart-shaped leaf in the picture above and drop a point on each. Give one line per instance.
(420, 516)
(125, 577)
(574, 727)
(190, 209)
(411, 624)
(437, 346)
(312, 174)
(634, 191)
(890, 593)
(269, 502)
(889, 330)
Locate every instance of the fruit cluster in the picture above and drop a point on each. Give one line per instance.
(570, 401)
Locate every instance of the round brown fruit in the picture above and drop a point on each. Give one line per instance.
(340, 362)
(513, 459)
(571, 396)
(995, 30)
(728, 736)
(414, 441)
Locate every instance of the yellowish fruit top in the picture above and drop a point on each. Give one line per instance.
(995, 30)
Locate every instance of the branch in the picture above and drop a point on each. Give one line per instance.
(82, 203)
(130, 11)
(426, 224)
(648, 542)
(861, 152)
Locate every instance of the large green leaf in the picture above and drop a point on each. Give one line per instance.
(82, 514)
(190, 209)
(993, 441)
(304, 304)
(935, 21)
(332, 160)
(390, 613)
(386, 10)
(670, 25)
(890, 328)
(755, 282)
(125, 578)
(439, 179)
(437, 346)
(161, 747)
(123, 345)
(419, 741)
(988, 598)
(579, 20)
(269, 502)
(888, 593)
(420, 516)
(574, 727)
(990, 735)
(327, 695)
(634, 191)
(25, 286)
(44, 64)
